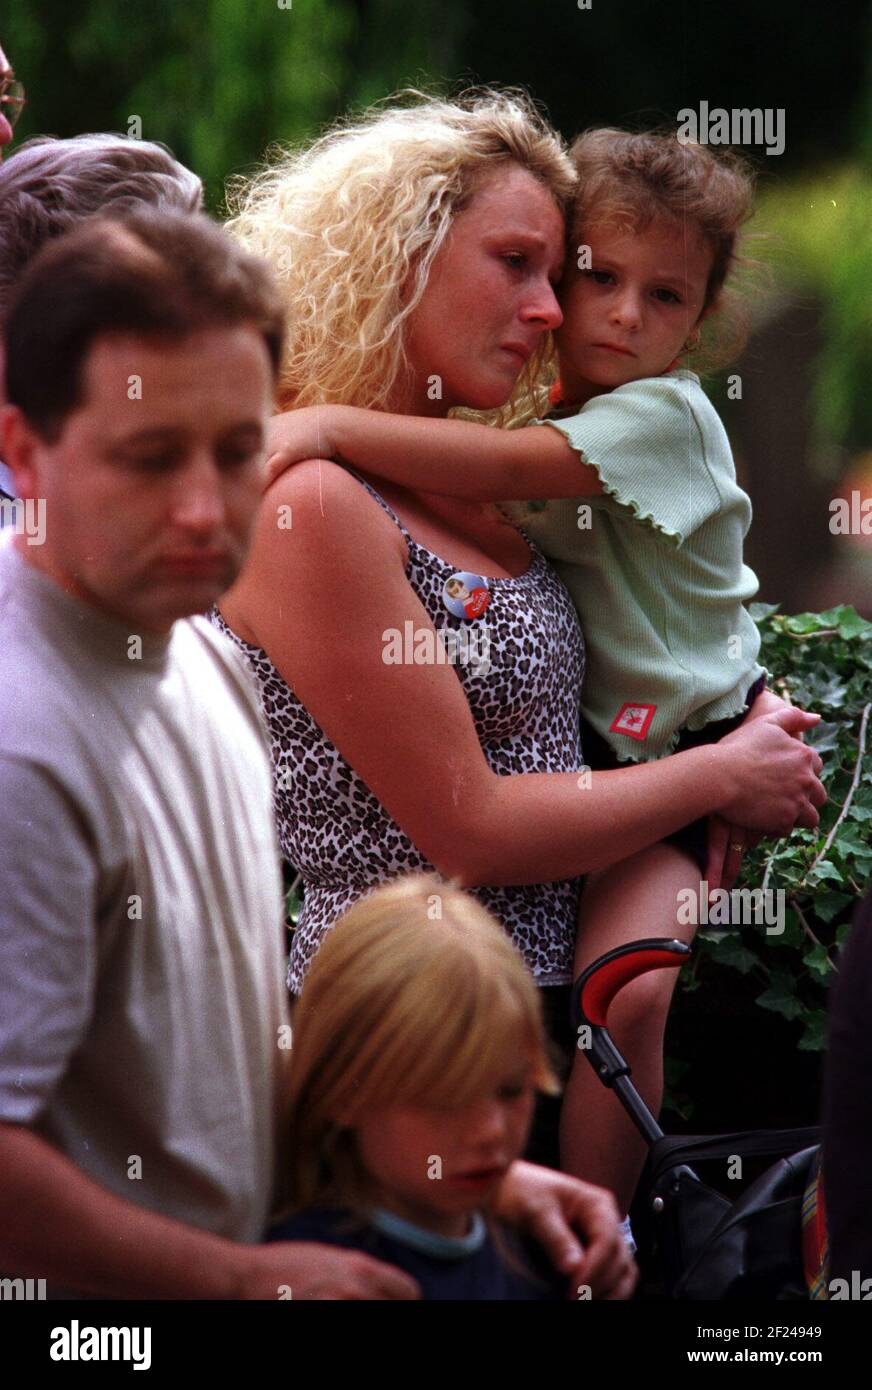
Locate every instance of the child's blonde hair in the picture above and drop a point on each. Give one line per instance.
(351, 225)
(416, 997)
(630, 180)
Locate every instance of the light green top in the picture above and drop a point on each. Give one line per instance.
(654, 567)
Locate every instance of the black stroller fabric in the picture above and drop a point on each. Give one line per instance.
(714, 1248)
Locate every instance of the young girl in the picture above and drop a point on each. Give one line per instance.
(648, 540)
(418, 1045)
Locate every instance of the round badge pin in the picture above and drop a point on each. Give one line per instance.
(466, 595)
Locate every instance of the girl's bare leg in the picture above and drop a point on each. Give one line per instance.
(635, 898)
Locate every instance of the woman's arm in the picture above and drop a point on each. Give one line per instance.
(322, 598)
(455, 458)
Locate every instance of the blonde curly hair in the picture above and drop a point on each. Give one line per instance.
(352, 223)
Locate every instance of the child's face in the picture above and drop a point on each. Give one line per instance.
(434, 1167)
(628, 316)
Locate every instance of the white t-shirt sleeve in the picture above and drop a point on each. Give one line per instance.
(47, 937)
(645, 441)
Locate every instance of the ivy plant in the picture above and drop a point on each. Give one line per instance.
(823, 662)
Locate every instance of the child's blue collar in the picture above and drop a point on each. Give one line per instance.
(429, 1242)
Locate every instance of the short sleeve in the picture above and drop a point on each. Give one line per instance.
(47, 936)
(646, 442)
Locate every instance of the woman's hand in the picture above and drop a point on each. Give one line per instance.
(774, 774)
(727, 842)
(575, 1223)
(296, 435)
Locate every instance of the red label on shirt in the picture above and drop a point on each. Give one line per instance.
(633, 720)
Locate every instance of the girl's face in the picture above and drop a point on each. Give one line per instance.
(629, 315)
(489, 298)
(434, 1167)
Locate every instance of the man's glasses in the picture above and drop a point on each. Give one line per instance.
(12, 99)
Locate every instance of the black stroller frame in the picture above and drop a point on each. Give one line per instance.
(704, 1246)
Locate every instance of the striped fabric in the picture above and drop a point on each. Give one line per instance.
(815, 1245)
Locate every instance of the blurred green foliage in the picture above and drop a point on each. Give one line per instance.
(220, 80)
(820, 241)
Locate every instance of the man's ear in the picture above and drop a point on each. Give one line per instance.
(18, 449)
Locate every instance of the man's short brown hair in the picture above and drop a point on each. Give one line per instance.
(151, 274)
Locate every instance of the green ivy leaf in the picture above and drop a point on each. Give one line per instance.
(729, 950)
(814, 1035)
(852, 625)
(818, 962)
(780, 1001)
(823, 737)
(829, 904)
(824, 870)
(760, 611)
(803, 623)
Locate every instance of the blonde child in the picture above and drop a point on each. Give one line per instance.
(648, 540)
(418, 1046)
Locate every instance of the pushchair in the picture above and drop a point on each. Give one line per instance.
(768, 1243)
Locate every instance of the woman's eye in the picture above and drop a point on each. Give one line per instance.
(516, 259)
(667, 296)
(600, 277)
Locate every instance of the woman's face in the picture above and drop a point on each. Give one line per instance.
(489, 298)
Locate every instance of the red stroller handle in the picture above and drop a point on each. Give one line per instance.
(592, 996)
(597, 986)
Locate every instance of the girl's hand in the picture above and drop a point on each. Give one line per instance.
(774, 774)
(296, 435)
(727, 842)
(576, 1224)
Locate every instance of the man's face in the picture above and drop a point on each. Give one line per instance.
(152, 489)
(5, 127)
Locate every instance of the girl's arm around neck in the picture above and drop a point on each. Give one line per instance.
(407, 729)
(453, 458)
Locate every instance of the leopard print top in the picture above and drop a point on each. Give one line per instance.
(526, 710)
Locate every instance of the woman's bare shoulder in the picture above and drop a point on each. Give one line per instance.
(328, 509)
(316, 523)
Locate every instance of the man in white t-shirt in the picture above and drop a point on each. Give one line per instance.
(143, 1020)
